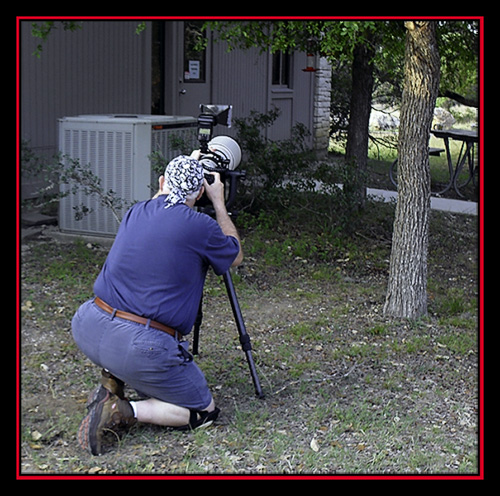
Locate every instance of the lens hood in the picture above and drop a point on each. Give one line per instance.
(228, 148)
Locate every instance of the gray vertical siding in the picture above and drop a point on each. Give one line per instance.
(243, 79)
(240, 78)
(102, 68)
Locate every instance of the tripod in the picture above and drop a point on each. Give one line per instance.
(244, 337)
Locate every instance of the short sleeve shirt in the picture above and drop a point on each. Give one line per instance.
(157, 265)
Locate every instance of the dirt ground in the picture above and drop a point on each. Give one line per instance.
(347, 390)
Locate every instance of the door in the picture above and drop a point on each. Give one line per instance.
(194, 69)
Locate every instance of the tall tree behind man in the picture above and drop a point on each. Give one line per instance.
(407, 286)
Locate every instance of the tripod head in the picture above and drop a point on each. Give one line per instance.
(221, 154)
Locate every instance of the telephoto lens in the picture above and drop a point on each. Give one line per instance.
(224, 155)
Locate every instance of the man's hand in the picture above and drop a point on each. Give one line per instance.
(215, 191)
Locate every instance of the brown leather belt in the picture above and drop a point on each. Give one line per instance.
(134, 318)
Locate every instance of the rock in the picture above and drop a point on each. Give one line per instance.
(442, 119)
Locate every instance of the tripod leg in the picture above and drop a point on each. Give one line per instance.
(244, 337)
(196, 328)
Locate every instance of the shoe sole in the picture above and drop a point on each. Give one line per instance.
(87, 435)
(93, 396)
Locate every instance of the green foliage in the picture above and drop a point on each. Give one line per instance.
(335, 39)
(270, 163)
(74, 177)
(459, 50)
(332, 39)
(42, 31)
(286, 173)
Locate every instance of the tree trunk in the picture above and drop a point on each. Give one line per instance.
(407, 287)
(359, 119)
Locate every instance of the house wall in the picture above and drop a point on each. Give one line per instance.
(240, 79)
(105, 67)
(243, 79)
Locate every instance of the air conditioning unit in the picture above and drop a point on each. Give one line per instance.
(118, 150)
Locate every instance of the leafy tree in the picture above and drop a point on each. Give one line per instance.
(458, 43)
(377, 44)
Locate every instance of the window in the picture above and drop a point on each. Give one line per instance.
(194, 60)
(281, 70)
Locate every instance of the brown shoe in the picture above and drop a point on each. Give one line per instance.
(106, 410)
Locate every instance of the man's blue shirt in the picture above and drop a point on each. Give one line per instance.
(157, 265)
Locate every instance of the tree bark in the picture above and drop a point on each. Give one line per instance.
(407, 286)
(359, 119)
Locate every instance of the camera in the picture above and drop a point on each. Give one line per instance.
(221, 154)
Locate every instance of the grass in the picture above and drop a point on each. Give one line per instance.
(348, 391)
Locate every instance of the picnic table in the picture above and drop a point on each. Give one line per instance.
(468, 139)
(466, 154)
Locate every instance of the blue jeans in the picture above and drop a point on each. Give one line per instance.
(146, 359)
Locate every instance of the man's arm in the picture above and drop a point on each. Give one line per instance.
(215, 193)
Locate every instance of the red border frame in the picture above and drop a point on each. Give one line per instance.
(479, 476)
